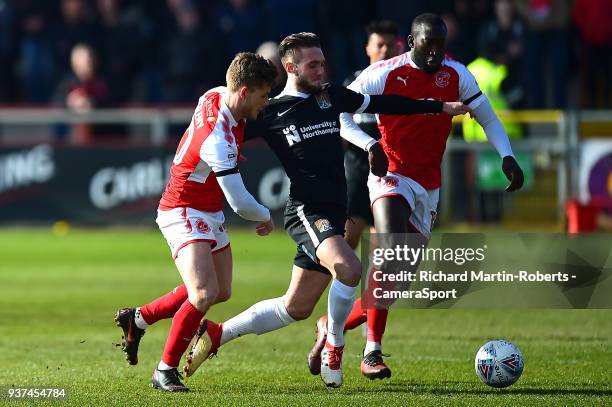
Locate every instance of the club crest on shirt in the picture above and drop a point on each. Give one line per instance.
(391, 182)
(322, 225)
(442, 79)
(323, 100)
(202, 226)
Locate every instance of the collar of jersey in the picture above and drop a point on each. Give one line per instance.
(227, 112)
(412, 64)
(295, 93)
(411, 61)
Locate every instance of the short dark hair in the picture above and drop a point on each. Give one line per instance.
(382, 27)
(427, 21)
(250, 70)
(291, 44)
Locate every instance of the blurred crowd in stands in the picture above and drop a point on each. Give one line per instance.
(110, 53)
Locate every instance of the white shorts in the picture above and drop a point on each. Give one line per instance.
(182, 226)
(424, 203)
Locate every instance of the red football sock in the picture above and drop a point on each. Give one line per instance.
(184, 326)
(377, 320)
(356, 317)
(164, 306)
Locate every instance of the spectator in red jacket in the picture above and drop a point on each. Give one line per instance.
(83, 90)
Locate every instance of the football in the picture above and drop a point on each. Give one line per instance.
(499, 363)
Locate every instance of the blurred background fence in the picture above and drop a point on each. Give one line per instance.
(566, 155)
(94, 95)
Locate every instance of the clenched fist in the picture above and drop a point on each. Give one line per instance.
(378, 160)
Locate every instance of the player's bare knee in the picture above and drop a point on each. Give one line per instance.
(352, 239)
(299, 312)
(224, 295)
(352, 279)
(348, 271)
(204, 298)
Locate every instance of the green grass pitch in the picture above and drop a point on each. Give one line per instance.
(58, 295)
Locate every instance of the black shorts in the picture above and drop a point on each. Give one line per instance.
(310, 224)
(357, 169)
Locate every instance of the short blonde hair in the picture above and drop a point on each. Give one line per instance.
(250, 70)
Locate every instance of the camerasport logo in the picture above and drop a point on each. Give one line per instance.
(442, 79)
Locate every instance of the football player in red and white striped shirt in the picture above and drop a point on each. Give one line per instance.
(406, 199)
(190, 216)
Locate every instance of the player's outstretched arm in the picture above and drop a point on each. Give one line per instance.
(398, 105)
(497, 136)
(241, 201)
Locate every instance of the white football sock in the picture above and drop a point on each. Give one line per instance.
(140, 322)
(163, 366)
(339, 305)
(371, 347)
(265, 316)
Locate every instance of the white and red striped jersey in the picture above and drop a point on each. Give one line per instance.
(415, 144)
(209, 145)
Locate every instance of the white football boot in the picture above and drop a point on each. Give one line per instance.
(331, 365)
